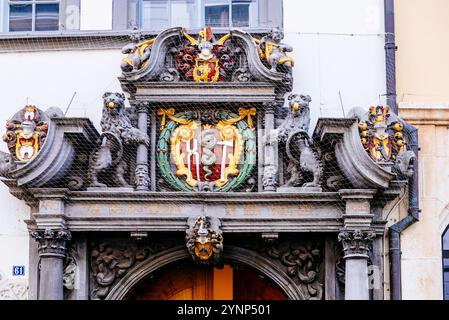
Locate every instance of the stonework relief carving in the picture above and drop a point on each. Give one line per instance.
(212, 151)
(137, 53)
(26, 133)
(356, 242)
(117, 143)
(111, 261)
(303, 261)
(204, 240)
(304, 165)
(70, 270)
(13, 289)
(273, 52)
(51, 242)
(205, 58)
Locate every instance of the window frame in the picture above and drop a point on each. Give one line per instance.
(33, 4)
(202, 19)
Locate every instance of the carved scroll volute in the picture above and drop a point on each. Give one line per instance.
(204, 240)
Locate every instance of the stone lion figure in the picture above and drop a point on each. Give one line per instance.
(302, 158)
(119, 139)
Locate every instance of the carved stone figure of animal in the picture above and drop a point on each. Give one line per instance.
(119, 139)
(298, 116)
(301, 156)
(308, 160)
(7, 164)
(116, 120)
(404, 164)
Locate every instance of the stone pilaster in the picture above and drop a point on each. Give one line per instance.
(270, 169)
(356, 244)
(142, 177)
(52, 251)
(356, 238)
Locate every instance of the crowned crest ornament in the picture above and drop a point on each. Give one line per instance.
(203, 59)
(204, 240)
(381, 135)
(26, 133)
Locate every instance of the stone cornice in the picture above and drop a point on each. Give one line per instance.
(115, 194)
(425, 116)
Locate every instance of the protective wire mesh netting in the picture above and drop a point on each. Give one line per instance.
(205, 117)
(206, 144)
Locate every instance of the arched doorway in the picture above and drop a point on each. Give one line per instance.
(184, 280)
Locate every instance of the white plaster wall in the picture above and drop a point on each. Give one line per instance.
(338, 49)
(49, 79)
(13, 245)
(96, 15)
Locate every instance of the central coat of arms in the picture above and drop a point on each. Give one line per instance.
(205, 60)
(208, 151)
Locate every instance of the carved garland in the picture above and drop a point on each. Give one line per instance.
(181, 127)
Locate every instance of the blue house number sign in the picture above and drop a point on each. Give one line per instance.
(18, 270)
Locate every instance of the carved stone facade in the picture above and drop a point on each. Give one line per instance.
(205, 163)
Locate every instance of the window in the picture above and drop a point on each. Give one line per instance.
(33, 15)
(162, 14)
(234, 13)
(446, 263)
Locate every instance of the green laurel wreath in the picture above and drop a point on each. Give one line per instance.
(163, 154)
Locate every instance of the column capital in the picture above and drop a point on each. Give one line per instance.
(141, 106)
(356, 243)
(51, 242)
(270, 107)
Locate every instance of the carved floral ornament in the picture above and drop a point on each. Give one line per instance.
(26, 133)
(211, 151)
(207, 59)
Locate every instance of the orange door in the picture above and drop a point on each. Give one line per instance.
(186, 281)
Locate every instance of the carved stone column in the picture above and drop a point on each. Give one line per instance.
(270, 166)
(142, 177)
(52, 250)
(356, 244)
(356, 238)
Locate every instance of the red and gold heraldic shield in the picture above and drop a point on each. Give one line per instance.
(206, 153)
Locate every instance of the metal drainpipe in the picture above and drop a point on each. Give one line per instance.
(412, 133)
(412, 217)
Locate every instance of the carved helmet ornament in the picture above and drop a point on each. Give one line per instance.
(204, 240)
(26, 133)
(203, 59)
(381, 134)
